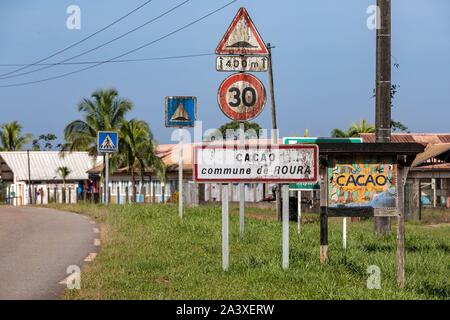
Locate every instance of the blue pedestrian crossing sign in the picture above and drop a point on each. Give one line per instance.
(181, 111)
(107, 141)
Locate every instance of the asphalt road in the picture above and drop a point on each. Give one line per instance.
(36, 247)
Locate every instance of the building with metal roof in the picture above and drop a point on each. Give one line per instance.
(428, 183)
(22, 171)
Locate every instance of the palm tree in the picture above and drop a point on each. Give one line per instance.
(338, 133)
(138, 151)
(64, 172)
(357, 129)
(11, 138)
(105, 111)
(306, 134)
(354, 131)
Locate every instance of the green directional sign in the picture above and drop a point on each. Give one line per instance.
(314, 140)
(300, 140)
(304, 186)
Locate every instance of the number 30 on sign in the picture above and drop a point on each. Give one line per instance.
(242, 97)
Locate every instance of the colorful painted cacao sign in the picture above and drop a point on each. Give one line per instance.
(363, 181)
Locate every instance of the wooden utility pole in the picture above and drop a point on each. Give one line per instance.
(383, 85)
(402, 174)
(274, 127)
(383, 89)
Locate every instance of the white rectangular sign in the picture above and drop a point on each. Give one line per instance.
(277, 164)
(242, 64)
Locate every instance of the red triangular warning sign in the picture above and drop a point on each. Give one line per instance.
(242, 37)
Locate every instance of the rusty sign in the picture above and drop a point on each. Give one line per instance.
(277, 164)
(357, 181)
(242, 97)
(180, 111)
(242, 37)
(242, 64)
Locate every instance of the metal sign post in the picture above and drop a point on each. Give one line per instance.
(241, 187)
(107, 143)
(299, 204)
(285, 195)
(180, 174)
(107, 178)
(181, 112)
(241, 97)
(225, 226)
(274, 125)
(270, 164)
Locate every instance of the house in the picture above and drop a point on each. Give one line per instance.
(428, 183)
(32, 176)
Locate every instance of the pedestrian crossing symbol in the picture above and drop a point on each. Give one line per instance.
(107, 142)
(181, 111)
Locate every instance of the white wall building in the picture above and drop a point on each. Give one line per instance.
(39, 169)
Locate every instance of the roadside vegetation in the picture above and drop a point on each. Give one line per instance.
(147, 253)
(105, 110)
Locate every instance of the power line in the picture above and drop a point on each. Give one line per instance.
(124, 54)
(99, 46)
(80, 41)
(115, 61)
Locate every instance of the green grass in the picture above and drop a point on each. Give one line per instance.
(147, 253)
(438, 215)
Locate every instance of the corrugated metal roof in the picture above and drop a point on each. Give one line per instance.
(44, 164)
(424, 138)
(433, 167)
(432, 151)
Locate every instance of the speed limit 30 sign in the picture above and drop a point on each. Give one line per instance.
(242, 97)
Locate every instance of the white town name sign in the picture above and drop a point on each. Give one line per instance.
(277, 164)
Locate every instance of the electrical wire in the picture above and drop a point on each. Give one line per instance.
(114, 61)
(101, 45)
(124, 54)
(80, 41)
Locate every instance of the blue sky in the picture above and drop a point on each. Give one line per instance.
(324, 61)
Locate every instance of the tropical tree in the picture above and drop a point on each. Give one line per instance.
(11, 138)
(63, 172)
(354, 131)
(363, 127)
(306, 134)
(138, 151)
(104, 111)
(338, 133)
(234, 127)
(45, 142)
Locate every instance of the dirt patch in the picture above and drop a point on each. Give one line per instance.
(439, 225)
(260, 217)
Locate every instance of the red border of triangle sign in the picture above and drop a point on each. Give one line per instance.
(247, 40)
